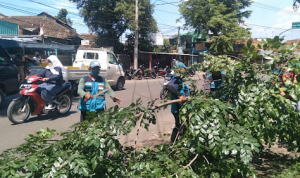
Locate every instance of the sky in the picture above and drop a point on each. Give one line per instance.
(268, 19)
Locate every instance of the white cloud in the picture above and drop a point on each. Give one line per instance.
(286, 17)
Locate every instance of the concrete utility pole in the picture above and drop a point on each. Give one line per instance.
(178, 44)
(136, 43)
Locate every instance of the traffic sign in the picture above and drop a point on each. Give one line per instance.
(295, 25)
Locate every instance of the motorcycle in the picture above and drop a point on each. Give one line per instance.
(159, 72)
(136, 73)
(31, 103)
(147, 72)
(164, 91)
(128, 75)
(190, 71)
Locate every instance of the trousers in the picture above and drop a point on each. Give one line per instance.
(21, 71)
(47, 91)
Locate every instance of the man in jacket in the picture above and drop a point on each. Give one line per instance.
(90, 85)
(178, 89)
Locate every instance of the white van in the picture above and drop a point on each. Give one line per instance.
(110, 67)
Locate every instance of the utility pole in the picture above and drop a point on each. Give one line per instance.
(178, 44)
(136, 43)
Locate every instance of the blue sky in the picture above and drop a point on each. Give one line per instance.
(269, 17)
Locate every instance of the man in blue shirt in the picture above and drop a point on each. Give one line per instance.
(179, 90)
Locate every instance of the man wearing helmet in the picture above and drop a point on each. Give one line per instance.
(90, 85)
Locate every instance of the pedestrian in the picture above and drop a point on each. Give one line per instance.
(20, 62)
(178, 90)
(90, 85)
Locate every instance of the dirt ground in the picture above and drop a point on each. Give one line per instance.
(274, 160)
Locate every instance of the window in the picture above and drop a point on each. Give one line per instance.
(111, 59)
(89, 55)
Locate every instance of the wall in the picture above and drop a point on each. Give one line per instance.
(8, 28)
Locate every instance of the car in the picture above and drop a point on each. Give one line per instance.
(9, 76)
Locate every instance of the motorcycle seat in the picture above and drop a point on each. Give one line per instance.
(64, 87)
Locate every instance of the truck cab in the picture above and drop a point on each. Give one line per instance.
(110, 67)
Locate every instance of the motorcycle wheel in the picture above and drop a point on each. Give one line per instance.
(127, 77)
(163, 93)
(140, 76)
(65, 104)
(15, 113)
(153, 75)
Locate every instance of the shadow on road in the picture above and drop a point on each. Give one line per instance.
(49, 117)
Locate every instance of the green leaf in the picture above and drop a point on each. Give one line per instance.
(249, 43)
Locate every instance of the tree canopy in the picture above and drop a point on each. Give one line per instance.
(222, 18)
(296, 4)
(62, 15)
(110, 19)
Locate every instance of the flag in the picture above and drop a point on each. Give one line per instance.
(41, 31)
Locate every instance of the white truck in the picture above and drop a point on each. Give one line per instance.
(110, 67)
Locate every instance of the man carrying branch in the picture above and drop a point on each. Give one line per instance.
(180, 90)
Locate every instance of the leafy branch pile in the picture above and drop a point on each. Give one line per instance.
(222, 134)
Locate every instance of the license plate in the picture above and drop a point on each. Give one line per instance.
(25, 86)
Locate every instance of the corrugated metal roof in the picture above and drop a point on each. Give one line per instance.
(8, 28)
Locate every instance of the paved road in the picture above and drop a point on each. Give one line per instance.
(13, 135)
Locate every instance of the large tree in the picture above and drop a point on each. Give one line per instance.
(62, 15)
(110, 19)
(223, 18)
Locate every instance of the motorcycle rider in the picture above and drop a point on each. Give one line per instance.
(53, 79)
(90, 85)
(178, 89)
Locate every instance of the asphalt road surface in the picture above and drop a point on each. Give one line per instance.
(12, 135)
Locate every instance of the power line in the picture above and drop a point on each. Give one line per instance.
(171, 3)
(273, 8)
(167, 11)
(167, 3)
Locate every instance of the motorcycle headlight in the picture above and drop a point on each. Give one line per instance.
(30, 80)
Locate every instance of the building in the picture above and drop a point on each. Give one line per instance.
(190, 43)
(91, 37)
(54, 30)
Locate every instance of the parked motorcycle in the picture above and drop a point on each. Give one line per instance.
(31, 103)
(136, 73)
(128, 75)
(159, 72)
(147, 72)
(190, 71)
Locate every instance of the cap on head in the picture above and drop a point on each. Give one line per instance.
(95, 64)
(36, 53)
